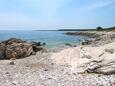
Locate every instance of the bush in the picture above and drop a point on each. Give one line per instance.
(99, 28)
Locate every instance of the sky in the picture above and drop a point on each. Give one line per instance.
(56, 14)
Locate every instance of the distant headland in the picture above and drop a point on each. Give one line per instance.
(99, 28)
(96, 29)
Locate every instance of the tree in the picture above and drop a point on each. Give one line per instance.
(99, 28)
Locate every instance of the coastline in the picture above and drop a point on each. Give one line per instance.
(97, 38)
(79, 65)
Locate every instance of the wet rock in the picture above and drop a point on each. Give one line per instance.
(68, 44)
(44, 44)
(36, 43)
(36, 48)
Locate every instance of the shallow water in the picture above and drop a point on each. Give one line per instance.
(51, 38)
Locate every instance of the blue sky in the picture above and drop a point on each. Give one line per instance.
(56, 14)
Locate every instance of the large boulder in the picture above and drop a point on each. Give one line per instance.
(17, 48)
(2, 51)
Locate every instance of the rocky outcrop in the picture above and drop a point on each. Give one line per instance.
(88, 59)
(96, 38)
(71, 45)
(17, 48)
(84, 33)
(2, 50)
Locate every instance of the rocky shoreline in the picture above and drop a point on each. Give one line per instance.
(96, 38)
(90, 64)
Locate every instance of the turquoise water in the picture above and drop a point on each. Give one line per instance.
(51, 38)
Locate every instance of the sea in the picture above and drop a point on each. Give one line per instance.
(53, 39)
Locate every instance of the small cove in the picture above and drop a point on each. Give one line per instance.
(53, 39)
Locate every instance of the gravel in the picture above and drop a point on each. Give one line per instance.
(39, 70)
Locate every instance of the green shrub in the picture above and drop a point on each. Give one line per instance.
(99, 28)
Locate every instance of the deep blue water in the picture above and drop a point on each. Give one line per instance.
(51, 38)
